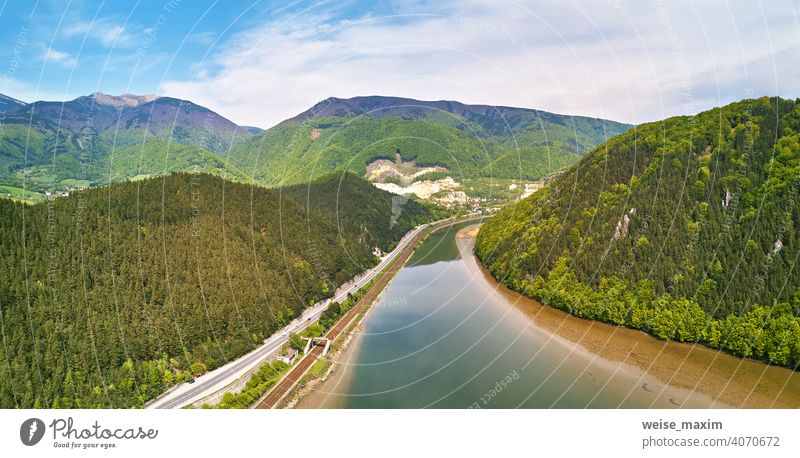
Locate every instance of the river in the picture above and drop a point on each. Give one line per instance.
(446, 335)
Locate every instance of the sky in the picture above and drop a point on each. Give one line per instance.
(260, 62)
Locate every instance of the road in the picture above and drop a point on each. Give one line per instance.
(225, 375)
(280, 390)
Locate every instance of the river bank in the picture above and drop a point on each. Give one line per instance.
(628, 367)
(728, 380)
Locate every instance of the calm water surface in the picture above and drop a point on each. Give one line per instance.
(444, 336)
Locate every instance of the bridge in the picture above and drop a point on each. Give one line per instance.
(318, 342)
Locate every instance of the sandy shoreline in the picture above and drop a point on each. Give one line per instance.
(660, 373)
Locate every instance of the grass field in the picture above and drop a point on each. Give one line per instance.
(21, 194)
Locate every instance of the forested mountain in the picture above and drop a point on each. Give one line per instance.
(469, 140)
(685, 228)
(110, 295)
(51, 146)
(296, 153)
(341, 196)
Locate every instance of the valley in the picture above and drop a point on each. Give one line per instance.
(637, 231)
(467, 229)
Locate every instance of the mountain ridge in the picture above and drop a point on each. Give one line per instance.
(469, 140)
(51, 146)
(100, 112)
(379, 106)
(8, 104)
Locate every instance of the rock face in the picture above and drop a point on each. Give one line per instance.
(406, 172)
(423, 189)
(622, 228)
(122, 101)
(622, 225)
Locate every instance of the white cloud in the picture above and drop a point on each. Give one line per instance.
(108, 32)
(629, 61)
(51, 55)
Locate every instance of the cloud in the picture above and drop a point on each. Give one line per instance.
(628, 61)
(51, 55)
(108, 32)
(202, 38)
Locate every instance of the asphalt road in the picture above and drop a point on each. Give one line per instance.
(223, 376)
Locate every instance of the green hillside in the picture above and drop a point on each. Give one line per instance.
(110, 295)
(471, 141)
(532, 163)
(339, 196)
(99, 139)
(290, 154)
(160, 158)
(181, 134)
(45, 161)
(294, 153)
(685, 228)
(24, 146)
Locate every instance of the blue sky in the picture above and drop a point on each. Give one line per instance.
(258, 62)
(70, 48)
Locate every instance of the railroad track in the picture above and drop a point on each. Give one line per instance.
(283, 387)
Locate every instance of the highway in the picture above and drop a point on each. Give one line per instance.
(221, 377)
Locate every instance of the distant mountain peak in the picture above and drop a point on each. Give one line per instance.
(10, 103)
(123, 100)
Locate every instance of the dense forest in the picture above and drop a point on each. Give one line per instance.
(341, 196)
(685, 228)
(111, 295)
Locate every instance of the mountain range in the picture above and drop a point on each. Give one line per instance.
(506, 123)
(100, 139)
